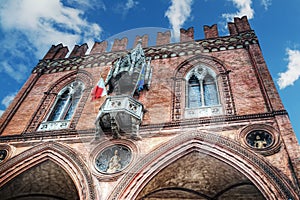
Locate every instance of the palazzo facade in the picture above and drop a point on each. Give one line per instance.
(197, 119)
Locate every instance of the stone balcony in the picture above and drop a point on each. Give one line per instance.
(121, 114)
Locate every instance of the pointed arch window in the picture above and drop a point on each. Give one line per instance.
(66, 102)
(64, 107)
(202, 96)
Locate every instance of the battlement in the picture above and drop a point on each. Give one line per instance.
(240, 25)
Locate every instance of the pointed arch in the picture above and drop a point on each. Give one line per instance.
(270, 182)
(63, 156)
(49, 98)
(222, 78)
(215, 64)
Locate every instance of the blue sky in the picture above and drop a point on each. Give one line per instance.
(28, 28)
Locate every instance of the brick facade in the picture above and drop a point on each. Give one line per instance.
(169, 140)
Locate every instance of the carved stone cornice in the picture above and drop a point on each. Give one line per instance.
(155, 52)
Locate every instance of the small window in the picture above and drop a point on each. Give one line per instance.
(66, 102)
(202, 97)
(202, 88)
(63, 108)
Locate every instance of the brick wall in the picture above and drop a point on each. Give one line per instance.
(251, 87)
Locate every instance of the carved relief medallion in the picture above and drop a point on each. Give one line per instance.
(261, 138)
(113, 159)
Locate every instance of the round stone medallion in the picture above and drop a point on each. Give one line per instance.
(113, 159)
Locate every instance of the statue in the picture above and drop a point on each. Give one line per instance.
(259, 143)
(114, 164)
(121, 114)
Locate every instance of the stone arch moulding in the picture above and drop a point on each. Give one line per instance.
(58, 153)
(271, 183)
(223, 83)
(49, 98)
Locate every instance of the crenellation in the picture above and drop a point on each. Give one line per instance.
(203, 124)
(242, 24)
(239, 26)
(143, 39)
(79, 50)
(211, 31)
(120, 45)
(56, 52)
(232, 28)
(99, 47)
(187, 35)
(163, 38)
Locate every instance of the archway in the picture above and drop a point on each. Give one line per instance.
(34, 173)
(199, 176)
(46, 180)
(230, 168)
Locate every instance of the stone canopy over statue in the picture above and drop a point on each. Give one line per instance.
(121, 114)
(130, 74)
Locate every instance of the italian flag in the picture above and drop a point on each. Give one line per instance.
(99, 90)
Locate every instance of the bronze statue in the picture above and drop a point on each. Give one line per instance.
(259, 143)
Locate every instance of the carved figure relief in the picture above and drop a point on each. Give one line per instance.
(259, 139)
(113, 159)
(114, 163)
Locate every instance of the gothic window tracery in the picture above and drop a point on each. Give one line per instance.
(64, 107)
(66, 102)
(202, 96)
(201, 88)
(216, 89)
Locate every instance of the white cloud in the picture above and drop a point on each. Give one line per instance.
(16, 72)
(244, 8)
(47, 22)
(1, 112)
(178, 13)
(31, 27)
(124, 8)
(266, 3)
(130, 4)
(34, 28)
(88, 4)
(8, 99)
(293, 69)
